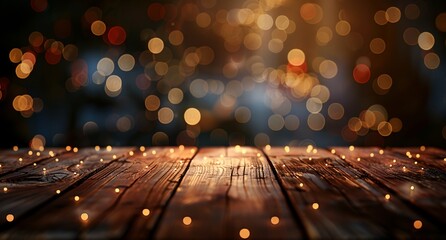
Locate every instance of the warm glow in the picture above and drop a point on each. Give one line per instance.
(244, 233)
(417, 224)
(192, 116)
(275, 220)
(84, 216)
(156, 45)
(187, 221)
(145, 212)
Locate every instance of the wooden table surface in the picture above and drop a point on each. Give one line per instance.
(223, 193)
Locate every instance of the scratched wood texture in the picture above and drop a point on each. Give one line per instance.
(223, 193)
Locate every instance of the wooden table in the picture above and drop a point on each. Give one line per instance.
(223, 193)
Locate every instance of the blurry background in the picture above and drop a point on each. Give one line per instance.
(208, 72)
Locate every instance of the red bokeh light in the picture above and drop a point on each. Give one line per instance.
(116, 35)
(53, 56)
(297, 69)
(361, 73)
(156, 11)
(39, 5)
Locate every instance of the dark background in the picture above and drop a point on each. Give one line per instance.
(85, 115)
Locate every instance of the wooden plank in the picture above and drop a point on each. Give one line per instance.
(227, 193)
(350, 205)
(11, 160)
(431, 156)
(145, 180)
(33, 186)
(418, 184)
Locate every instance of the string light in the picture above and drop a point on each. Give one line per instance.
(417, 224)
(145, 212)
(275, 220)
(9, 217)
(244, 233)
(387, 196)
(315, 206)
(187, 220)
(84, 216)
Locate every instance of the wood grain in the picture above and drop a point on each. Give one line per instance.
(351, 205)
(420, 185)
(13, 160)
(33, 186)
(224, 191)
(145, 180)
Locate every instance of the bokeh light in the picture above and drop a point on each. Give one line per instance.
(217, 73)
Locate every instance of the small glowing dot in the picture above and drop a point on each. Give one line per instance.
(117, 190)
(68, 148)
(187, 221)
(15, 148)
(109, 148)
(417, 155)
(10, 217)
(372, 154)
(390, 165)
(417, 224)
(30, 152)
(422, 148)
(76, 198)
(51, 153)
(333, 151)
(301, 184)
(44, 169)
(244, 233)
(387, 197)
(97, 148)
(5, 189)
(171, 150)
(415, 162)
(38, 153)
(35, 164)
(81, 162)
(21, 159)
(145, 212)
(343, 156)
(412, 188)
(287, 149)
(114, 156)
(275, 220)
(315, 206)
(310, 158)
(57, 191)
(181, 147)
(144, 154)
(394, 160)
(101, 160)
(268, 147)
(153, 152)
(75, 149)
(381, 152)
(358, 159)
(84, 216)
(56, 160)
(131, 153)
(351, 148)
(142, 148)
